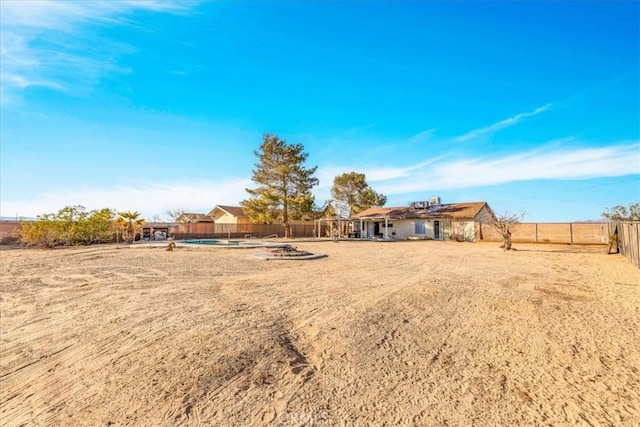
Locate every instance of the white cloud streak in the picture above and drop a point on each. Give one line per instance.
(374, 174)
(549, 163)
(150, 199)
(501, 124)
(51, 43)
(541, 164)
(423, 136)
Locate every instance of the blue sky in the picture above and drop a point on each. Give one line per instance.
(152, 105)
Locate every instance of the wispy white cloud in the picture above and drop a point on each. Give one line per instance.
(177, 72)
(549, 162)
(54, 44)
(183, 69)
(374, 173)
(150, 199)
(445, 173)
(326, 174)
(501, 124)
(423, 136)
(46, 15)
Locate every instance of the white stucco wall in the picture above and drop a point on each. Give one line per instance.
(405, 229)
(462, 230)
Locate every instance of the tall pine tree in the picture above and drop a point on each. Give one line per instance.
(284, 184)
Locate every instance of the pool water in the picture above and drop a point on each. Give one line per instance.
(235, 243)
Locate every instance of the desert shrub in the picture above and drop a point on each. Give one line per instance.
(71, 225)
(462, 234)
(9, 238)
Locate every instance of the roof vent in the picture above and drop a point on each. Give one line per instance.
(434, 200)
(420, 205)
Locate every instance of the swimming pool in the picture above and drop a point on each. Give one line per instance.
(235, 243)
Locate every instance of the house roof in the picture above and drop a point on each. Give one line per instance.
(195, 217)
(231, 210)
(154, 224)
(190, 215)
(445, 211)
(379, 211)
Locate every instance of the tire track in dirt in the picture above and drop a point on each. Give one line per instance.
(52, 378)
(398, 334)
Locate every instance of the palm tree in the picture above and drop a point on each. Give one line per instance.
(129, 222)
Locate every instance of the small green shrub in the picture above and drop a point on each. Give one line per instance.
(71, 225)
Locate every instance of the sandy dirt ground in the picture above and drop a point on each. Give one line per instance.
(397, 334)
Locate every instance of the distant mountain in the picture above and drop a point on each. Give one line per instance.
(20, 218)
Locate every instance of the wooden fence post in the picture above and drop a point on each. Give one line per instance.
(571, 233)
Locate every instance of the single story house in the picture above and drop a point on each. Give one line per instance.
(229, 215)
(423, 220)
(233, 219)
(229, 219)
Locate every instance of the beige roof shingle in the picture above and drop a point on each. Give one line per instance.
(194, 217)
(231, 210)
(445, 211)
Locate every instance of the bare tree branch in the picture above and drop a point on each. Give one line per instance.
(175, 213)
(504, 225)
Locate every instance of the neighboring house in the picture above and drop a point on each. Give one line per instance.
(228, 215)
(423, 220)
(235, 215)
(232, 219)
(195, 223)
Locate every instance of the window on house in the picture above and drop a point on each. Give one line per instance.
(420, 228)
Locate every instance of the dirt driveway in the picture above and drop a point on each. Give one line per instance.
(402, 333)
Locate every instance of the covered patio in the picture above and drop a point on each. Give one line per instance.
(374, 227)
